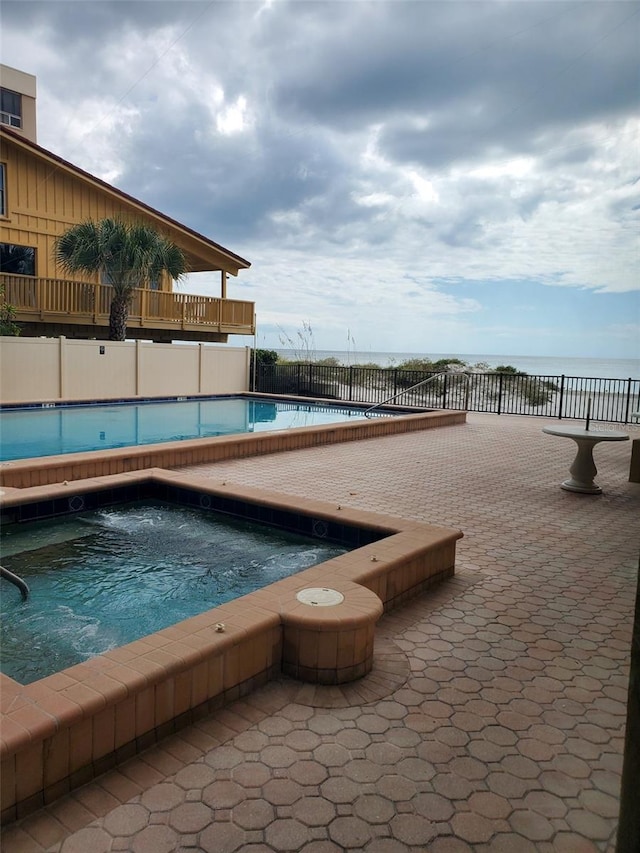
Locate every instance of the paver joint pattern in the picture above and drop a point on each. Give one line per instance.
(493, 720)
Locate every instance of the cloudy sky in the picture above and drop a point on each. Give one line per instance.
(435, 177)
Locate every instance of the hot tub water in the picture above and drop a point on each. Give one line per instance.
(102, 579)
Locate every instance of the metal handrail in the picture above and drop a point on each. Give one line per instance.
(417, 385)
(16, 581)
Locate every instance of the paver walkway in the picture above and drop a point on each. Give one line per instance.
(494, 718)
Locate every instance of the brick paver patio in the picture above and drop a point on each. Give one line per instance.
(493, 720)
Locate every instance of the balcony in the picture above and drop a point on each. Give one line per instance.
(52, 307)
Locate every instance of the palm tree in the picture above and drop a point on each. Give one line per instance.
(126, 255)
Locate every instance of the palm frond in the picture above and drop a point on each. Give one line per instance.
(127, 255)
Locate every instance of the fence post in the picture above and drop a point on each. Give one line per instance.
(298, 367)
(628, 401)
(501, 376)
(444, 392)
(62, 385)
(350, 382)
(139, 388)
(560, 402)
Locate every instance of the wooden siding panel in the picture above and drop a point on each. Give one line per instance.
(37, 189)
(43, 201)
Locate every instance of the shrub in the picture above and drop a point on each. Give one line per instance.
(444, 363)
(508, 368)
(265, 356)
(7, 316)
(424, 365)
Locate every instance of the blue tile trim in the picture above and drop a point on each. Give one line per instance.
(293, 521)
(123, 401)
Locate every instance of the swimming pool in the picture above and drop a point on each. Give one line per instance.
(32, 432)
(65, 468)
(101, 579)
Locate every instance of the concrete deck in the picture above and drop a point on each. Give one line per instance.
(493, 721)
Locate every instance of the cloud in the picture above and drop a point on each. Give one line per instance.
(360, 154)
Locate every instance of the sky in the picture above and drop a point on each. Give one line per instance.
(403, 175)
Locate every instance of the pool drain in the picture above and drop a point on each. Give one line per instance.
(320, 597)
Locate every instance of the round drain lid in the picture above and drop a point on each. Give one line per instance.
(320, 596)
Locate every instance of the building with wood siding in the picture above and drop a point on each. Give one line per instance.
(41, 195)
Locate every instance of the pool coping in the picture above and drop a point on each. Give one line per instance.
(74, 402)
(45, 470)
(61, 731)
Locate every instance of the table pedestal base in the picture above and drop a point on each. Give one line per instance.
(583, 470)
(586, 489)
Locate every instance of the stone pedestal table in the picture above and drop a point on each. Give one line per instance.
(584, 469)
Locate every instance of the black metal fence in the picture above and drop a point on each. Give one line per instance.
(611, 400)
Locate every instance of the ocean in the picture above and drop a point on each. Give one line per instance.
(603, 368)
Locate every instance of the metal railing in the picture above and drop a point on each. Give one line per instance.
(412, 388)
(612, 400)
(16, 581)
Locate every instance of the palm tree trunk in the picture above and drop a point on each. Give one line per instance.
(118, 316)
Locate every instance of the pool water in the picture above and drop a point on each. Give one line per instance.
(103, 579)
(34, 432)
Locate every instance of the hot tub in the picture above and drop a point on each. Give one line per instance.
(61, 730)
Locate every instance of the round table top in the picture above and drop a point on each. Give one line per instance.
(587, 434)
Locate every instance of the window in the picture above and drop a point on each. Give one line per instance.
(19, 260)
(3, 193)
(10, 108)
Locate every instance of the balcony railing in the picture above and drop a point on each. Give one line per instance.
(53, 300)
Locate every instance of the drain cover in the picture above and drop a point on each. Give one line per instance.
(320, 596)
